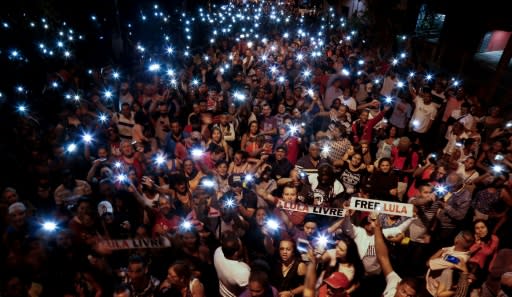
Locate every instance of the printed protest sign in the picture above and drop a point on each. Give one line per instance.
(131, 243)
(387, 207)
(301, 207)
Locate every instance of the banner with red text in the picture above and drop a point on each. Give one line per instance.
(387, 207)
(132, 243)
(301, 207)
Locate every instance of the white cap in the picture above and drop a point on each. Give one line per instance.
(16, 206)
(105, 207)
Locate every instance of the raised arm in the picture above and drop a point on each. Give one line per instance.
(347, 227)
(335, 226)
(310, 279)
(382, 250)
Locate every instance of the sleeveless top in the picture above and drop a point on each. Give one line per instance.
(292, 279)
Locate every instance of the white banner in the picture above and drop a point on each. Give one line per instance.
(301, 207)
(387, 207)
(131, 243)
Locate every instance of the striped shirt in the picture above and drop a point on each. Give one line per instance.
(124, 125)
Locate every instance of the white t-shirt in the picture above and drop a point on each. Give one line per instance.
(468, 177)
(233, 275)
(423, 115)
(467, 120)
(348, 271)
(388, 85)
(350, 102)
(392, 281)
(451, 145)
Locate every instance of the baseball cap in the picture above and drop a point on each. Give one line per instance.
(16, 206)
(337, 280)
(105, 207)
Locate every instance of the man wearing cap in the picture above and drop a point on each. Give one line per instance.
(112, 226)
(281, 166)
(335, 285)
(19, 228)
(246, 200)
(227, 129)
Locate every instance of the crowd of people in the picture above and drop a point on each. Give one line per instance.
(175, 185)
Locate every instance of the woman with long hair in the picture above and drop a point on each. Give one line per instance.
(259, 285)
(430, 173)
(386, 145)
(250, 142)
(192, 174)
(288, 272)
(383, 183)
(181, 282)
(353, 174)
(182, 195)
(345, 258)
(485, 247)
(261, 242)
(217, 138)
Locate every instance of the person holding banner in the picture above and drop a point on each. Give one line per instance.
(290, 218)
(353, 174)
(326, 189)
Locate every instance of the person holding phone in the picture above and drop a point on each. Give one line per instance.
(441, 265)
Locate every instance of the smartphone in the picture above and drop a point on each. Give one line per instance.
(499, 157)
(451, 259)
(303, 245)
(102, 159)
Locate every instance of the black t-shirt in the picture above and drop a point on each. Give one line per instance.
(280, 168)
(352, 180)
